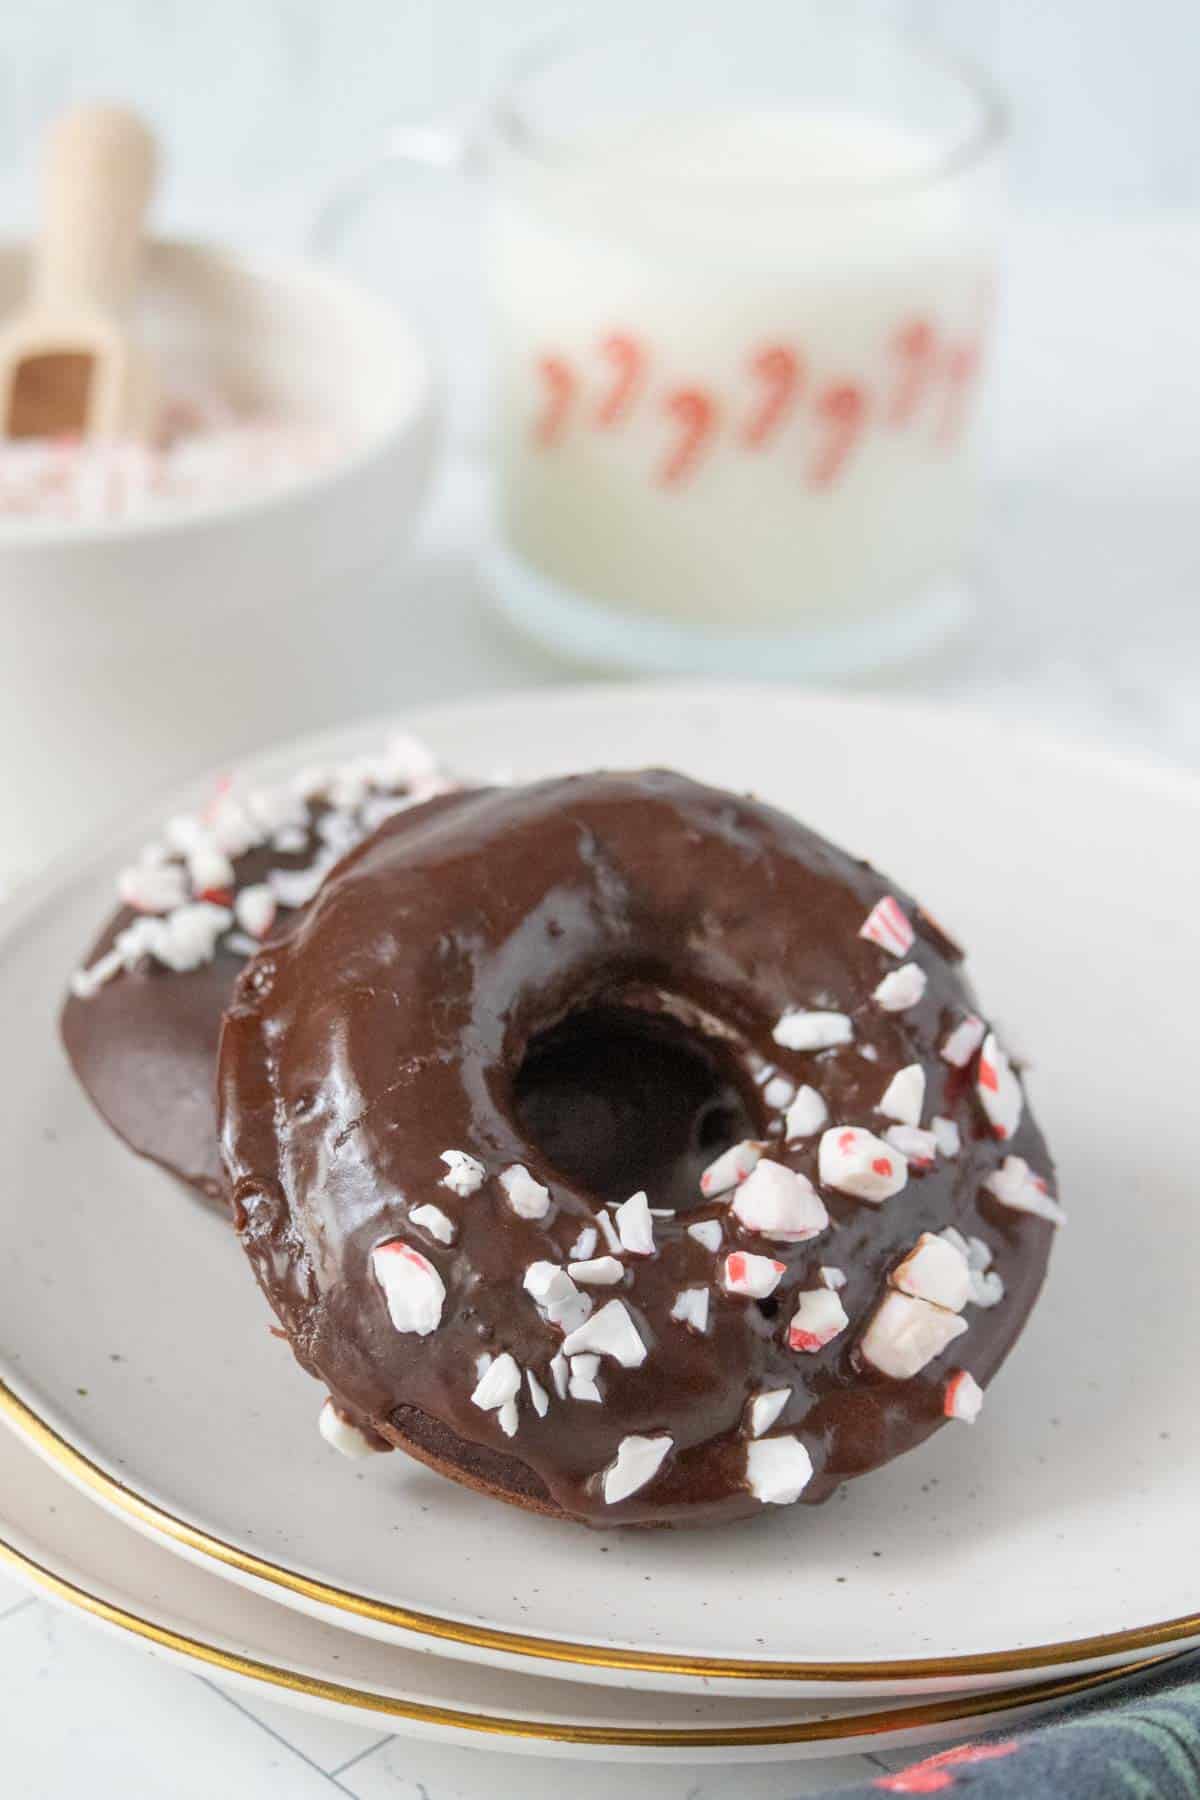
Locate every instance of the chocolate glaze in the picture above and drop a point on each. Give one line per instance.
(144, 1046)
(660, 929)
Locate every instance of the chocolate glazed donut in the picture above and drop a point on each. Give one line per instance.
(622, 1148)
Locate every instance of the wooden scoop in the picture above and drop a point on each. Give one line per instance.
(67, 361)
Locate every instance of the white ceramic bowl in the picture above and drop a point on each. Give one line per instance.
(133, 651)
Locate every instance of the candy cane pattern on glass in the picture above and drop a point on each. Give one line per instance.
(558, 379)
(841, 409)
(961, 368)
(778, 371)
(627, 359)
(914, 351)
(695, 412)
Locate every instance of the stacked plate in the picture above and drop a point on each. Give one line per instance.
(164, 1473)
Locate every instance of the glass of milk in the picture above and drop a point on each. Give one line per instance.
(740, 260)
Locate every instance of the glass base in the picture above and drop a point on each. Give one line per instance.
(587, 632)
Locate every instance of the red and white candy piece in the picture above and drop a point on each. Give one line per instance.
(527, 1197)
(807, 1115)
(901, 988)
(963, 1398)
(635, 1227)
(609, 1332)
(583, 1384)
(638, 1461)
(754, 1276)
(998, 1088)
(918, 1148)
(764, 1408)
(802, 1029)
(210, 870)
(600, 1271)
(904, 1096)
(904, 1334)
(779, 1203)
(887, 925)
(730, 1168)
(707, 1232)
(856, 1162)
(691, 1308)
(934, 1270)
(947, 1135)
(537, 1394)
(819, 1318)
(463, 1175)
(437, 1223)
(255, 909)
(152, 888)
(341, 1435)
(963, 1041)
(1015, 1184)
(412, 1287)
(778, 1469)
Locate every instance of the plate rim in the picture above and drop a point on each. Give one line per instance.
(23, 1417)
(973, 1705)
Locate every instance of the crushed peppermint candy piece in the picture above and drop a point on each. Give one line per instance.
(857, 1162)
(963, 1041)
(296, 887)
(806, 1115)
(901, 988)
(778, 1092)
(904, 1096)
(946, 1135)
(527, 1197)
(464, 1175)
(86, 982)
(754, 1276)
(210, 870)
(499, 1383)
(433, 1220)
(819, 1318)
(764, 1408)
(583, 1385)
(555, 1294)
(963, 1397)
(343, 1436)
(778, 1469)
(800, 1029)
(998, 1088)
(584, 1244)
(904, 1334)
(508, 1418)
(608, 1232)
(560, 1374)
(600, 1271)
(638, 1461)
(609, 1332)
(1015, 1184)
(918, 1148)
(255, 908)
(635, 1226)
(537, 1393)
(887, 925)
(707, 1232)
(412, 1287)
(730, 1168)
(779, 1203)
(290, 840)
(152, 888)
(987, 1288)
(691, 1308)
(934, 1270)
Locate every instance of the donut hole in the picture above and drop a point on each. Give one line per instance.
(619, 1099)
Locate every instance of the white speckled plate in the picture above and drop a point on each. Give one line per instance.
(1055, 1535)
(64, 1546)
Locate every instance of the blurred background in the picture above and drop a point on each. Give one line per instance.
(1085, 563)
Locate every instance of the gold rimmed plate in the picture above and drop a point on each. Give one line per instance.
(1049, 1539)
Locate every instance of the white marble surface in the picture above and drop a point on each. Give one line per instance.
(1087, 574)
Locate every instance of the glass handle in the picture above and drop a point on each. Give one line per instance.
(454, 145)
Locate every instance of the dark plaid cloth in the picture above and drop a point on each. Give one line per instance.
(1143, 1746)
